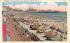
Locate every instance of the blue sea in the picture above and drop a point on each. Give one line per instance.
(61, 16)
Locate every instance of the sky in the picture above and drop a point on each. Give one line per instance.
(37, 0)
(59, 6)
(36, 3)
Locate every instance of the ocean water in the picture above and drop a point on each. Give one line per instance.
(61, 16)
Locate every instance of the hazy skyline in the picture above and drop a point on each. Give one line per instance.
(25, 7)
